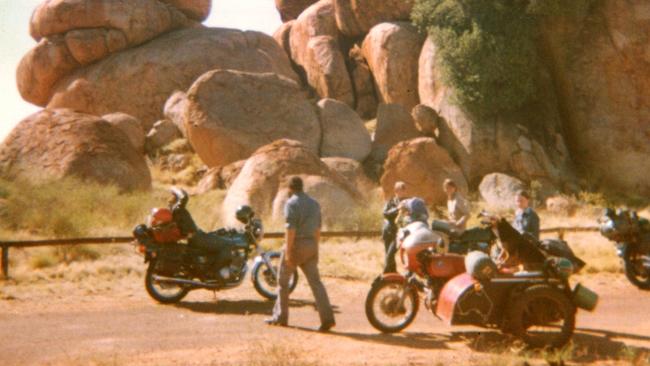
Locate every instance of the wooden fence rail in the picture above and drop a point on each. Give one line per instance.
(561, 231)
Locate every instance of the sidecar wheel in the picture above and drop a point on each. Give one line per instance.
(264, 280)
(382, 308)
(635, 270)
(163, 293)
(542, 316)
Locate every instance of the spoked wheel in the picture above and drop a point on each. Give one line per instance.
(636, 270)
(164, 293)
(391, 306)
(543, 316)
(264, 277)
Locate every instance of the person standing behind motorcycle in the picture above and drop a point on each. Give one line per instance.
(303, 223)
(458, 210)
(526, 219)
(389, 231)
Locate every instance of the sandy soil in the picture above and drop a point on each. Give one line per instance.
(118, 324)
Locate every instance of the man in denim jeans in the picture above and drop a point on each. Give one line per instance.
(303, 223)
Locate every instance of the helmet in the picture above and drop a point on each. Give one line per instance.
(244, 214)
(160, 216)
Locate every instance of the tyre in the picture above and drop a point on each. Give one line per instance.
(542, 316)
(264, 279)
(161, 292)
(383, 308)
(635, 270)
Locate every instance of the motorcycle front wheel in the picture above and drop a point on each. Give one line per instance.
(636, 271)
(264, 277)
(164, 293)
(391, 306)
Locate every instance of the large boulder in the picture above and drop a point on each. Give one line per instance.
(394, 124)
(604, 86)
(194, 9)
(282, 35)
(353, 171)
(291, 9)
(482, 145)
(356, 17)
(392, 51)
(58, 143)
(363, 84)
(344, 134)
(75, 33)
(423, 166)
(174, 110)
(162, 133)
(139, 81)
(315, 47)
(230, 114)
(220, 177)
(498, 190)
(267, 171)
(131, 127)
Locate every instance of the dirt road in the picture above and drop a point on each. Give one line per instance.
(119, 325)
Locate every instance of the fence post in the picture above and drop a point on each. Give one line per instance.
(5, 261)
(560, 234)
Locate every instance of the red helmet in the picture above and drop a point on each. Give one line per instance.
(160, 216)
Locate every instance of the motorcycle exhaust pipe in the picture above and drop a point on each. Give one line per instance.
(191, 283)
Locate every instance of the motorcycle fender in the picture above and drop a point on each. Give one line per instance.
(451, 294)
(393, 277)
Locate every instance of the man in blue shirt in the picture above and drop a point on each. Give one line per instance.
(303, 224)
(526, 219)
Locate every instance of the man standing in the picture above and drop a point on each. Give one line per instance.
(303, 223)
(389, 231)
(526, 219)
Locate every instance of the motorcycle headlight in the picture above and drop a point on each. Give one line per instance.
(564, 267)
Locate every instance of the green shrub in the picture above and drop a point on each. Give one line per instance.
(487, 49)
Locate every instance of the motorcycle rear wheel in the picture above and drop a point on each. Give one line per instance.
(264, 280)
(163, 293)
(542, 316)
(635, 271)
(382, 304)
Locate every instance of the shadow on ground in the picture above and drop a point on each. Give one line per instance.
(241, 307)
(588, 345)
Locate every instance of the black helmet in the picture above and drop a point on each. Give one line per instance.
(244, 214)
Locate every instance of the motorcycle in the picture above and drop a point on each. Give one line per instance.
(537, 305)
(175, 267)
(631, 235)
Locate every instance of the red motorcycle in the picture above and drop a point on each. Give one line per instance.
(538, 305)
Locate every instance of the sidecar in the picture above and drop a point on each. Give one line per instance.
(533, 306)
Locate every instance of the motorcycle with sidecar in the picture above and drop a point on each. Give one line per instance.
(537, 304)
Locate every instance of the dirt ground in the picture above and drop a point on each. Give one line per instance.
(80, 323)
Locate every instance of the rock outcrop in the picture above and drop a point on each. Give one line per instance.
(315, 47)
(500, 143)
(291, 9)
(266, 172)
(344, 134)
(139, 81)
(76, 33)
(230, 114)
(58, 143)
(394, 124)
(498, 190)
(603, 89)
(131, 127)
(356, 17)
(392, 51)
(423, 166)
